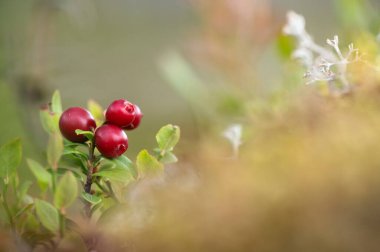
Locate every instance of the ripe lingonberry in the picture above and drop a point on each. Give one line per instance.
(76, 118)
(121, 113)
(111, 141)
(136, 122)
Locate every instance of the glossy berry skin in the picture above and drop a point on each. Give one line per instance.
(120, 113)
(136, 122)
(111, 141)
(76, 118)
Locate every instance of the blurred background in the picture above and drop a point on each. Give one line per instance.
(307, 178)
(107, 50)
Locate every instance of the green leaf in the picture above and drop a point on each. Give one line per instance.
(71, 151)
(96, 110)
(43, 177)
(56, 105)
(47, 214)
(125, 163)
(49, 120)
(115, 173)
(168, 158)
(55, 149)
(10, 157)
(66, 192)
(88, 134)
(147, 164)
(23, 190)
(93, 199)
(167, 137)
(118, 169)
(182, 77)
(73, 161)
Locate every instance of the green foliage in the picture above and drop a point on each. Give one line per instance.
(56, 105)
(66, 192)
(92, 199)
(167, 137)
(88, 134)
(96, 110)
(49, 121)
(116, 170)
(148, 165)
(10, 158)
(43, 177)
(55, 150)
(47, 214)
(183, 79)
(40, 220)
(168, 158)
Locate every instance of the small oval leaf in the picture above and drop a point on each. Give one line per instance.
(147, 164)
(67, 191)
(43, 177)
(55, 150)
(167, 137)
(47, 214)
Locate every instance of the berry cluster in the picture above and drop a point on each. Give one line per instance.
(110, 139)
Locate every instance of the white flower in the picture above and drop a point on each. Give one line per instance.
(319, 60)
(295, 25)
(233, 134)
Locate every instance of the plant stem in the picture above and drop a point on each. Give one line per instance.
(89, 180)
(61, 224)
(54, 180)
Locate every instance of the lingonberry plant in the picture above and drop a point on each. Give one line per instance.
(78, 153)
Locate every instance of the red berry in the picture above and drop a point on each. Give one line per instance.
(120, 113)
(76, 118)
(136, 122)
(111, 141)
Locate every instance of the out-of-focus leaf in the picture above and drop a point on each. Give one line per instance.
(147, 164)
(96, 110)
(167, 137)
(55, 149)
(10, 157)
(125, 163)
(24, 210)
(180, 75)
(353, 13)
(23, 190)
(43, 177)
(49, 120)
(168, 158)
(47, 214)
(66, 192)
(56, 105)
